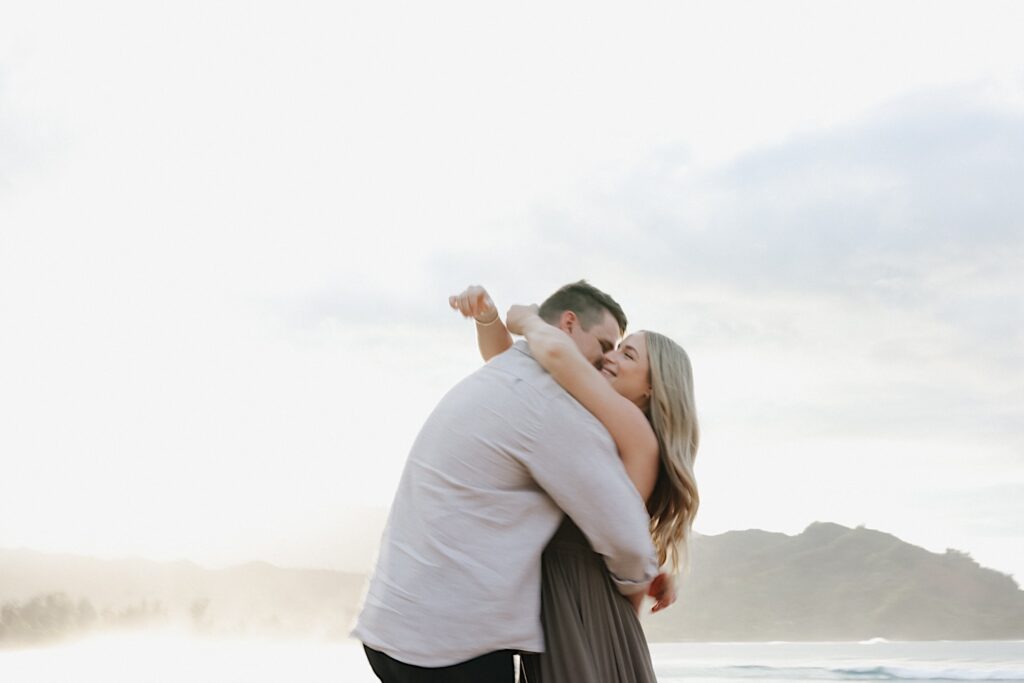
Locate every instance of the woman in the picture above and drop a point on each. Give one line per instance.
(643, 395)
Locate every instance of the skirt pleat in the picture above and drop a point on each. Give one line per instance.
(591, 632)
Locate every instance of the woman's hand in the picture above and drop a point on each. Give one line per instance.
(517, 317)
(475, 302)
(663, 590)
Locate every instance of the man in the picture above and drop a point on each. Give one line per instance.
(456, 589)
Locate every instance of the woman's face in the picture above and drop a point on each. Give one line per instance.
(628, 370)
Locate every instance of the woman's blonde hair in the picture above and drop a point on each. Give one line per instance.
(673, 415)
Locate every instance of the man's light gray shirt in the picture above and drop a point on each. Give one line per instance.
(504, 453)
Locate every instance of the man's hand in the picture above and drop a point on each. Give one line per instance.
(517, 316)
(474, 302)
(663, 590)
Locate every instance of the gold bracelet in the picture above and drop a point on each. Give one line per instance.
(496, 316)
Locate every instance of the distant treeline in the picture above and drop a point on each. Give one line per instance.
(53, 616)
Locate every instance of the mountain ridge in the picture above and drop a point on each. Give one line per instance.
(829, 582)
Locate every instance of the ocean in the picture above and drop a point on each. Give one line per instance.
(873, 660)
(178, 658)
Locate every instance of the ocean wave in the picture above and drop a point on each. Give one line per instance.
(867, 673)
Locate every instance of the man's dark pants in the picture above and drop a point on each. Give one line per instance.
(494, 667)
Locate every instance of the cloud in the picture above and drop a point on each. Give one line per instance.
(28, 140)
(864, 277)
(915, 206)
(857, 208)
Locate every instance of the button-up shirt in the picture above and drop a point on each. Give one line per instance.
(499, 460)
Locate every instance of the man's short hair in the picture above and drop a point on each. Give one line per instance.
(585, 300)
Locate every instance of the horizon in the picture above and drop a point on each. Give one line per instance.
(356, 572)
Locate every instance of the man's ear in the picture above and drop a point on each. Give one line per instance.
(567, 321)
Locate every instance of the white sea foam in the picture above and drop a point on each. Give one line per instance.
(866, 673)
(870, 660)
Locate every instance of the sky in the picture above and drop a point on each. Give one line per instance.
(228, 232)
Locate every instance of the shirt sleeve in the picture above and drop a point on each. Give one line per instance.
(576, 463)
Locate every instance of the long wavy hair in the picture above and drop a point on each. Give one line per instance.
(673, 414)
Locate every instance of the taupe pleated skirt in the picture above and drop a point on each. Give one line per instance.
(592, 633)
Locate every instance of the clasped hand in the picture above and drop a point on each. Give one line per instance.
(518, 315)
(475, 302)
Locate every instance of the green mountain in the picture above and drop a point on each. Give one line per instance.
(835, 583)
(827, 583)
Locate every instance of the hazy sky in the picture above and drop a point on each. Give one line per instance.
(228, 231)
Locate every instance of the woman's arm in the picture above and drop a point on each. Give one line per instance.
(491, 335)
(558, 354)
(638, 447)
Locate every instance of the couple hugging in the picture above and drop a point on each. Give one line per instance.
(538, 502)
